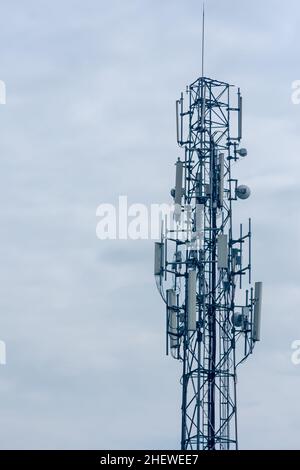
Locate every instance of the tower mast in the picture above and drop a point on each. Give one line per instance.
(200, 265)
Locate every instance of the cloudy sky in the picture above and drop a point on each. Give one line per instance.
(91, 87)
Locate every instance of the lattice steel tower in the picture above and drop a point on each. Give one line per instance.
(212, 324)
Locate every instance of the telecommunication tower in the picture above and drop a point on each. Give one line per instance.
(212, 323)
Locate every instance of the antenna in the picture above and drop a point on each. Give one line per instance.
(203, 37)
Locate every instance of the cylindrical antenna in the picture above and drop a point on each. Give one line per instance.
(181, 119)
(203, 38)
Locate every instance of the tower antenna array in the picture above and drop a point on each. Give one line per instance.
(202, 262)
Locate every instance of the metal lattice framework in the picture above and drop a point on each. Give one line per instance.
(200, 266)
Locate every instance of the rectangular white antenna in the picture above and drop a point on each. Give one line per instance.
(221, 178)
(200, 218)
(178, 183)
(223, 252)
(158, 259)
(177, 121)
(240, 116)
(257, 311)
(192, 300)
(172, 318)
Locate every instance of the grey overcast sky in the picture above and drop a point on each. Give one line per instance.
(91, 87)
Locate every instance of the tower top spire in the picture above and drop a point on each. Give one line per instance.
(203, 39)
